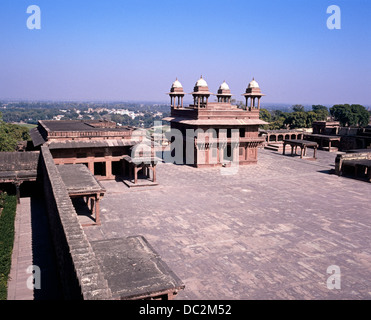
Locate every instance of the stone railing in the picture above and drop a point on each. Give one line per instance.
(80, 274)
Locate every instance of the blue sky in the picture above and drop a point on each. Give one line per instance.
(133, 50)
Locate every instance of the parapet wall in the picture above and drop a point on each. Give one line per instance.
(80, 273)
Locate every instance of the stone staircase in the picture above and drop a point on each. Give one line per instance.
(275, 147)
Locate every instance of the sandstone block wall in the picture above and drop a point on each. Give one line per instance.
(80, 273)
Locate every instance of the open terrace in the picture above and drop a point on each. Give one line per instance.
(270, 231)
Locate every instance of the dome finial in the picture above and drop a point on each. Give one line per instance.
(176, 84)
(224, 86)
(253, 84)
(201, 82)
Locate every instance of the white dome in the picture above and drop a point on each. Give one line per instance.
(253, 84)
(201, 83)
(224, 86)
(176, 84)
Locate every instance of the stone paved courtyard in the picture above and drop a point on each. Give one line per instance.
(269, 231)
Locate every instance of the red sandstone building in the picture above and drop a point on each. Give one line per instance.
(219, 132)
(105, 148)
(213, 134)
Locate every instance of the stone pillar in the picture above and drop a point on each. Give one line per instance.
(302, 152)
(91, 166)
(108, 168)
(154, 173)
(207, 155)
(135, 174)
(97, 210)
(18, 191)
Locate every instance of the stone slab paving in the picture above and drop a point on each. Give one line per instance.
(32, 247)
(22, 253)
(269, 231)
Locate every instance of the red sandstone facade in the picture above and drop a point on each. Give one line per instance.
(224, 133)
(100, 145)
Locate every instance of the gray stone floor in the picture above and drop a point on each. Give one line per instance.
(22, 253)
(32, 246)
(269, 231)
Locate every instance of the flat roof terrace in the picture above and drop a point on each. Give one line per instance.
(81, 125)
(269, 231)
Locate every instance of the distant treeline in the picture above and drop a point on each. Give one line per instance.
(347, 115)
(299, 117)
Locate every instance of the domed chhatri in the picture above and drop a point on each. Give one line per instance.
(224, 86)
(224, 93)
(253, 84)
(176, 84)
(201, 93)
(176, 93)
(253, 92)
(201, 83)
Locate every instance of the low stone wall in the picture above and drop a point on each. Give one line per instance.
(80, 273)
(340, 158)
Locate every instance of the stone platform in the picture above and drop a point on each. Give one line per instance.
(140, 183)
(266, 231)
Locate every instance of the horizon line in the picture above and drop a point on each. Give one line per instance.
(289, 104)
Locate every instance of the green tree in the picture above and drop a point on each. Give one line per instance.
(277, 123)
(311, 117)
(118, 118)
(296, 120)
(277, 120)
(350, 115)
(265, 115)
(321, 111)
(298, 108)
(362, 116)
(11, 135)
